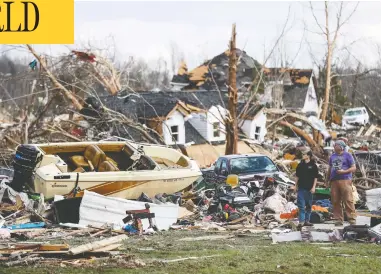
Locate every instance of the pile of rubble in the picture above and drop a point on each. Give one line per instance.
(36, 230)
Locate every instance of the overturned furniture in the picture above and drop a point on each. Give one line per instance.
(137, 216)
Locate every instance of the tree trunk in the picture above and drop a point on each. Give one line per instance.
(327, 85)
(355, 86)
(328, 67)
(231, 121)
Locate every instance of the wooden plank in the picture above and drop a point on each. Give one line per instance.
(360, 131)
(58, 247)
(28, 230)
(244, 218)
(26, 246)
(50, 252)
(108, 248)
(369, 215)
(7, 251)
(370, 130)
(100, 232)
(14, 251)
(97, 245)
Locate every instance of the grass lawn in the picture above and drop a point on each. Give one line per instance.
(253, 253)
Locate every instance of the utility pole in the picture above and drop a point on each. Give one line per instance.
(231, 119)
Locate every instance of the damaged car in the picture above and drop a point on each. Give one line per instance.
(258, 177)
(249, 167)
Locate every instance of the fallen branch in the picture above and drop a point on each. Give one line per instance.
(97, 245)
(11, 140)
(314, 146)
(188, 258)
(55, 130)
(65, 91)
(377, 183)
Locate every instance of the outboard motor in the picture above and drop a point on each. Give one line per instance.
(24, 163)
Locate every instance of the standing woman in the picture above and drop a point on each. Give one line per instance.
(306, 179)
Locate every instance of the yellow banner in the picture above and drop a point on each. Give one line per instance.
(37, 22)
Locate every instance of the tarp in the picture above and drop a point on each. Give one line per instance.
(98, 210)
(373, 199)
(242, 148)
(319, 125)
(207, 154)
(204, 154)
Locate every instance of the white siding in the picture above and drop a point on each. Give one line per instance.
(176, 119)
(199, 122)
(216, 114)
(259, 121)
(249, 127)
(311, 102)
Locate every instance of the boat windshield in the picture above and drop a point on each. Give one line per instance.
(253, 164)
(353, 112)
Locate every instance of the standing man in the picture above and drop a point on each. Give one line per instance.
(306, 179)
(341, 167)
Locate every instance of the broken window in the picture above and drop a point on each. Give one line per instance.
(257, 133)
(224, 166)
(175, 133)
(216, 129)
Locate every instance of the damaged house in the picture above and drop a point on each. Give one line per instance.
(193, 119)
(213, 73)
(292, 89)
(288, 88)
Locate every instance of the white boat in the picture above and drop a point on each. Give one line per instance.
(111, 168)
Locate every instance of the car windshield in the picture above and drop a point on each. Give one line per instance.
(353, 112)
(251, 165)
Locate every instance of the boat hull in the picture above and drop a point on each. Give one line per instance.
(165, 170)
(130, 187)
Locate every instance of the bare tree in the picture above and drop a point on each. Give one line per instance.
(231, 122)
(176, 56)
(330, 37)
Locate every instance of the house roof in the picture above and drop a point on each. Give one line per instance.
(296, 91)
(213, 73)
(297, 76)
(251, 112)
(200, 99)
(192, 135)
(149, 105)
(182, 76)
(94, 109)
(130, 132)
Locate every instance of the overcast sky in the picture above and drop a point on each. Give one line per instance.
(202, 29)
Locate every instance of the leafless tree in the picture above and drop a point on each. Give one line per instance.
(176, 56)
(330, 36)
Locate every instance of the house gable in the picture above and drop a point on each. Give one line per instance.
(294, 96)
(254, 126)
(173, 129)
(216, 131)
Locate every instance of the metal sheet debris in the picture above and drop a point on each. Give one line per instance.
(113, 211)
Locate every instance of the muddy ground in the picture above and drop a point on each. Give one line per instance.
(186, 252)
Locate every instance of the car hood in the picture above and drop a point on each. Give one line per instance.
(278, 175)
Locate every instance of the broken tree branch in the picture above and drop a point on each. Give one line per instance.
(65, 91)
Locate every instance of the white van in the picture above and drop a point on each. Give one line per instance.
(355, 116)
